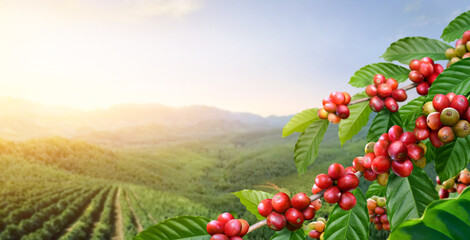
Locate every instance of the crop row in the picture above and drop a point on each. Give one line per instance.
(105, 227)
(83, 227)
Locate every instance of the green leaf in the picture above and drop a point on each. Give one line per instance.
(365, 76)
(454, 79)
(184, 227)
(382, 122)
(430, 152)
(408, 197)
(352, 224)
(300, 121)
(306, 148)
(375, 189)
(288, 235)
(410, 112)
(358, 118)
(457, 27)
(452, 158)
(442, 220)
(409, 48)
(251, 199)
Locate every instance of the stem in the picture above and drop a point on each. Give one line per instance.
(312, 198)
(406, 88)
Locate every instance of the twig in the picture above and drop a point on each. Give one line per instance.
(312, 198)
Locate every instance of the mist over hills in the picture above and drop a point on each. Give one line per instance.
(21, 119)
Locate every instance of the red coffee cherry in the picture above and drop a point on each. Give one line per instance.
(421, 134)
(376, 104)
(451, 96)
(342, 111)
(276, 221)
(245, 227)
(371, 90)
(421, 122)
(333, 118)
(435, 141)
(466, 115)
(381, 148)
(330, 107)
(391, 104)
(379, 79)
(347, 98)
(323, 181)
(233, 228)
(399, 95)
(443, 193)
(292, 227)
(416, 76)
(322, 113)
(384, 137)
(314, 234)
(350, 169)
(427, 60)
(440, 101)
(265, 207)
(423, 88)
(347, 201)
(316, 189)
(281, 202)
(332, 194)
(358, 164)
(426, 68)
(408, 138)
(402, 169)
(414, 64)
(369, 175)
(414, 151)
(381, 165)
(383, 218)
(432, 78)
(215, 227)
(294, 216)
(337, 98)
(300, 201)
(397, 151)
(368, 160)
(460, 103)
(379, 211)
(335, 171)
(236, 238)
(395, 132)
(392, 83)
(446, 135)
(316, 204)
(225, 217)
(326, 100)
(309, 212)
(348, 182)
(434, 121)
(384, 90)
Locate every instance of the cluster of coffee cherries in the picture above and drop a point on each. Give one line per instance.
(378, 212)
(226, 227)
(317, 228)
(461, 51)
(396, 150)
(445, 117)
(338, 184)
(282, 212)
(385, 93)
(455, 184)
(335, 107)
(424, 72)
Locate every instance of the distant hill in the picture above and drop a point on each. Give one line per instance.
(20, 119)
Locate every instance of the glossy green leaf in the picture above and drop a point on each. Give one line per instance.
(382, 122)
(409, 48)
(288, 235)
(358, 118)
(306, 148)
(184, 227)
(408, 197)
(443, 220)
(365, 76)
(300, 121)
(352, 224)
(452, 158)
(410, 112)
(251, 199)
(375, 189)
(457, 27)
(454, 79)
(430, 152)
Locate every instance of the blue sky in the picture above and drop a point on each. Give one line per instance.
(264, 57)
